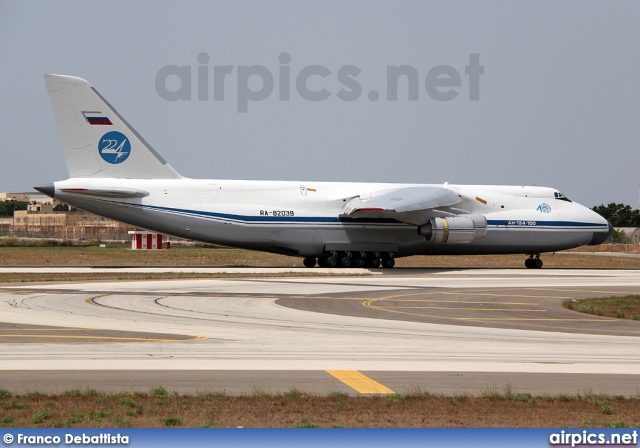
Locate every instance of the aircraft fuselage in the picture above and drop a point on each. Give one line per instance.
(307, 218)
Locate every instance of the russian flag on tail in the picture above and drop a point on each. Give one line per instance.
(94, 117)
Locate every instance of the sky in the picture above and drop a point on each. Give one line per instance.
(495, 92)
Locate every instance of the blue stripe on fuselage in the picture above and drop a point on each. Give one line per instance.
(513, 223)
(254, 219)
(338, 220)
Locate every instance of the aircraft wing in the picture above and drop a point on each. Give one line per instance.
(413, 205)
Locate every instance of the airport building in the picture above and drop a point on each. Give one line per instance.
(11, 196)
(41, 221)
(632, 234)
(30, 197)
(68, 225)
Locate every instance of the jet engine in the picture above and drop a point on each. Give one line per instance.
(454, 229)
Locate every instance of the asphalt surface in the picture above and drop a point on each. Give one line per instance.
(443, 331)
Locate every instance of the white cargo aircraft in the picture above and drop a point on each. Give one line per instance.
(115, 173)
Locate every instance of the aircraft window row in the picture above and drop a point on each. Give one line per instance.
(561, 197)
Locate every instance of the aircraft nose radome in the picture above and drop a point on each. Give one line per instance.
(601, 237)
(49, 189)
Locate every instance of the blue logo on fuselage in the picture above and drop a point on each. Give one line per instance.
(114, 147)
(544, 208)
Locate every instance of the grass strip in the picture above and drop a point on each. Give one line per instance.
(295, 409)
(625, 307)
(224, 257)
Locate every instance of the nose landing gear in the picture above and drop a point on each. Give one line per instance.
(533, 263)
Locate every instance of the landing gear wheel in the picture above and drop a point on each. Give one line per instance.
(322, 262)
(332, 262)
(361, 262)
(533, 263)
(388, 263)
(345, 262)
(309, 262)
(373, 262)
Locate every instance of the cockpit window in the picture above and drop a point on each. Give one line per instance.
(561, 197)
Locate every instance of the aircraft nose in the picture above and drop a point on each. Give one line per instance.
(601, 237)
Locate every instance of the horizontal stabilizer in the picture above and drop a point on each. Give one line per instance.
(107, 192)
(50, 190)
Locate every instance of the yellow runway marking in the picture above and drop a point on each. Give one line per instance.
(459, 308)
(391, 309)
(580, 290)
(375, 303)
(361, 383)
(484, 319)
(90, 300)
(469, 292)
(508, 295)
(369, 304)
(468, 302)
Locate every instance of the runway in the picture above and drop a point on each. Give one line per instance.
(450, 331)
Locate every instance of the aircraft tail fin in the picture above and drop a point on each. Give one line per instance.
(96, 140)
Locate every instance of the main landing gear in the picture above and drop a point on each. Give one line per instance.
(353, 259)
(533, 263)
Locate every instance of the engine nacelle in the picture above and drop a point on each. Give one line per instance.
(454, 229)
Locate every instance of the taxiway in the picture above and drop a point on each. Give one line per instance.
(451, 331)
